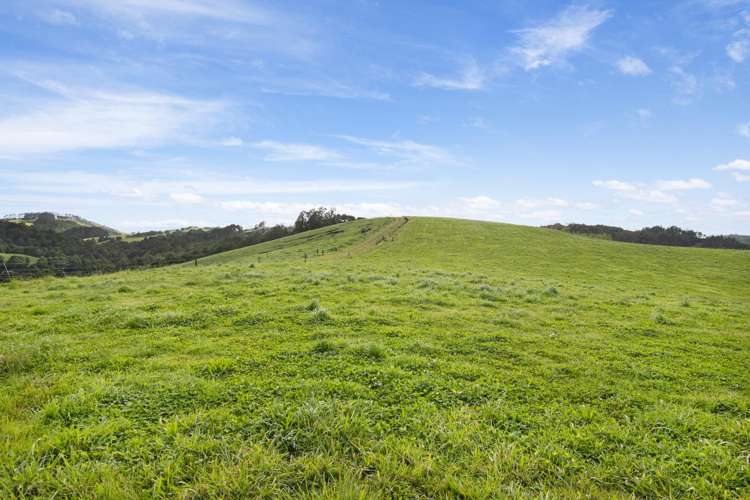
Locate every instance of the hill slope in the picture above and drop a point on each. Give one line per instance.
(402, 357)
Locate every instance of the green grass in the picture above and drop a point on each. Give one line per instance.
(421, 358)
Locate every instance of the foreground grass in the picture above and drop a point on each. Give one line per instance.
(420, 358)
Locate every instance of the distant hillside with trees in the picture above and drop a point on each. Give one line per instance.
(39, 249)
(656, 235)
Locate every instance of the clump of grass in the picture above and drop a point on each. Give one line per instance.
(375, 352)
(124, 289)
(325, 347)
(137, 323)
(551, 291)
(217, 368)
(427, 283)
(685, 302)
(320, 315)
(659, 318)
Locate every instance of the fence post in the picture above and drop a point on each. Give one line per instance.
(10, 278)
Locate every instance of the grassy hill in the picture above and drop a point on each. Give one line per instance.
(57, 222)
(382, 358)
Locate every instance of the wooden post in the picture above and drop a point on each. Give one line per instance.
(7, 272)
(196, 262)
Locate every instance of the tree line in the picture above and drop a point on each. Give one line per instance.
(87, 249)
(656, 235)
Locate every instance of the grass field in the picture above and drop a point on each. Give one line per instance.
(415, 358)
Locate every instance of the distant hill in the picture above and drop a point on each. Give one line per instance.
(61, 223)
(670, 236)
(45, 243)
(744, 239)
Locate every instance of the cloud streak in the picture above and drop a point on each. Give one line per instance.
(85, 119)
(472, 77)
(551, 42)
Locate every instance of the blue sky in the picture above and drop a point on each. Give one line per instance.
(144, 115)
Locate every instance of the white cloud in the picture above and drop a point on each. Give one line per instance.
(736, 167)
(81, 119)
(686, 85)
(738, 50)
(62, 182)
(225, 10)
(187, 198)
(58, 17)
(477, 122)
(480, 203)
(615, 185)
(633, 66)
(547, 202)
(232, 142)
(724, 202)
(543, 215)
(280, 151)
(636, 212)
(240, 26)
(636, 192)
(683, 185)
(551, 42)
(744, 129)
(471, 78)
(406, 149)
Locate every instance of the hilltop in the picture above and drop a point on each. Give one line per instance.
(73, 224)
(381, 358)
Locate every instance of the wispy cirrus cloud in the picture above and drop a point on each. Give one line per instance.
(552, 41)
(236, 24)
(57, 17)
(136, 186)
(633, 66)
(75, 118)
(405, 149)
(738, 50)
(139, 10)
(471, 77)
(283, 151)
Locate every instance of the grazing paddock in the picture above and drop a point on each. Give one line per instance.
(382, 358)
